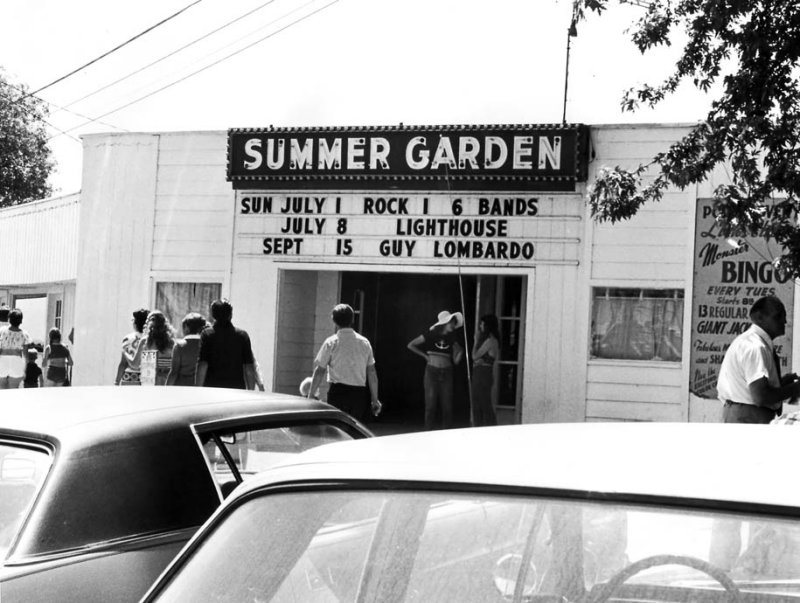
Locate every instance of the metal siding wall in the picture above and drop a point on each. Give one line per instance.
(553, 391)
(652, 250)
(193, 224)
(117, 208)
(38, 241)
(254, 296)
(295, 331)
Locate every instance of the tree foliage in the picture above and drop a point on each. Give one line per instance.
(25, 160)
(751, 48)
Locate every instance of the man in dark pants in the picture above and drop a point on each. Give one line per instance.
(226, 357)
(750, 383)
(347, 359)
(752, 390)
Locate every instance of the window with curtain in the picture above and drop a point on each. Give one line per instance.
(637, 324)
(176, 300)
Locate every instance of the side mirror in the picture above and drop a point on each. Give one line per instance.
(227, 438)
(17, 469)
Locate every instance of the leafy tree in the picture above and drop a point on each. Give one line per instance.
(25, 160)
(752, 48)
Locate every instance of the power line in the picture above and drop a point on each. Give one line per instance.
(139, 35)
(174, 52)
(60, 108)
(13, 102)
(173, 83)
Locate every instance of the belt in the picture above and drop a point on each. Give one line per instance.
(729, 402)
(766, 408)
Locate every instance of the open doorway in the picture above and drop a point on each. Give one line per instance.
(34, 317)
(394, 308)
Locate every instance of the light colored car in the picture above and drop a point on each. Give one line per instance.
(538, 513)
(100, 487)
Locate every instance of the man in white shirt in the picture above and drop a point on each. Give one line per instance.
(347, 359)
(752, 391)
(750, 384)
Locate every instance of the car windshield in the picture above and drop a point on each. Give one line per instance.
(22, 470)
(425, 546)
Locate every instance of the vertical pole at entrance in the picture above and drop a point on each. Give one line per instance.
(466, 346)
(463, 307)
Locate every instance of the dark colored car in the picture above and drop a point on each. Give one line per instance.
(100, 487)
(582, 513)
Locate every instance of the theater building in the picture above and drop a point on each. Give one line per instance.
(598, 322)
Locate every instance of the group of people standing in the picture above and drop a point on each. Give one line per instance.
(18, 356)
(215, 354)
(346, 357)
(441, 348)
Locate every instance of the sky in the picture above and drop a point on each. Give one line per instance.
(324, 63)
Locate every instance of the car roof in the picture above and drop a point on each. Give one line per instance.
(741, 464)
(63, 412)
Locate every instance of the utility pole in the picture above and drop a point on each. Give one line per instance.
(571, 33)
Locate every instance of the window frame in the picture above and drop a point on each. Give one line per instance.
(254, 423)
(673, 287)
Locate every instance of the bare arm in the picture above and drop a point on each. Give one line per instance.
(414, 346)
(200, 376)
(764, 394)
(481, 350)
(316, 379)
(372, 382)
(250, 376)
(120, 369)
(174, 368)
(458, 353)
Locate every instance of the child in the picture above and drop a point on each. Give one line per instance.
(305, 385)
(57, 361)
(33, 374)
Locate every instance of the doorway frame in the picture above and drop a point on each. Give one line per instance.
(524, 387)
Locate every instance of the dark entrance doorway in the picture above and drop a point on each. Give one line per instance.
(394, 308)
(391, 310)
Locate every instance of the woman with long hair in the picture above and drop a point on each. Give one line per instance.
(440, 348)
(160, 338)
(485, 352)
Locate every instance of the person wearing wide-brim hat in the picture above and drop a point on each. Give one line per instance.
(441, 350)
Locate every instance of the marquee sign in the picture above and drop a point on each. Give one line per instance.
(503, 157)
(414, 229)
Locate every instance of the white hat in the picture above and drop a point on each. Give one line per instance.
(444, 317)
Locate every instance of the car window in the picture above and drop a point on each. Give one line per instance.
(256, 449)
(398, 545)
(22, 470)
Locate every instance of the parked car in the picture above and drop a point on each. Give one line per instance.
(536, 513)
(101, 486)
